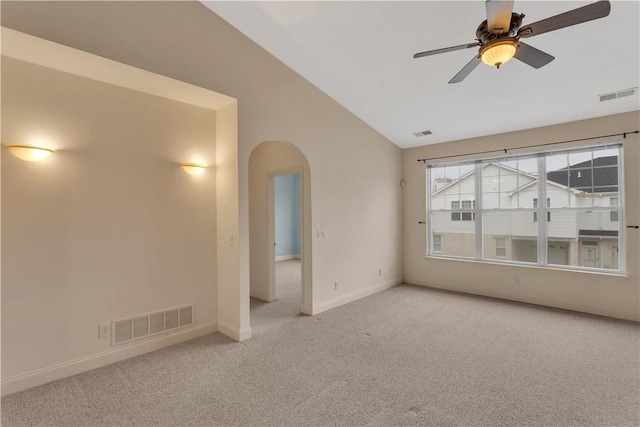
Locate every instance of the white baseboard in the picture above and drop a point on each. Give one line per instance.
(307, 309)
(233, 332)
(288, 257)
(561, 304)
(87, 363)
(345, 299)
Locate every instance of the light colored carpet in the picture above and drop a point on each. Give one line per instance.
(406, 356)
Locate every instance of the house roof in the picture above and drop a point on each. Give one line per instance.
(599, 175)
(484, 165)
(529, 184)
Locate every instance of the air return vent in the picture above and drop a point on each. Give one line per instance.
(618, 94)
(144, 325)
(423, 133)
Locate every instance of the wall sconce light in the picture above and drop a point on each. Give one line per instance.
(29, 153)
(193, 168)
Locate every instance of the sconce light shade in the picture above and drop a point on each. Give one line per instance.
(29, 153)
(193, 168)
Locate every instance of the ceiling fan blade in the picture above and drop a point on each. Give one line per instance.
(446, 49)
(586, 13)
(466, 70)
(532, 56)
(499, 15)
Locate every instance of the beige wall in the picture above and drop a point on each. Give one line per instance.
(110, 225)
(605, 294)
(354, 171)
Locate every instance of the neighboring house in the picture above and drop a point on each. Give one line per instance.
(575, 237)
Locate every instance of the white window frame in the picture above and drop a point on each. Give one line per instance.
(542, 211)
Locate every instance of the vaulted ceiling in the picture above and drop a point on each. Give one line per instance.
(361, 54)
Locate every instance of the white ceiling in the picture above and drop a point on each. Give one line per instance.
(360, 54)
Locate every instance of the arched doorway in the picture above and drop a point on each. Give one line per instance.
(267, 161)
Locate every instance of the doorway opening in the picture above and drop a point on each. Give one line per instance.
(279, 232)
(287, 208)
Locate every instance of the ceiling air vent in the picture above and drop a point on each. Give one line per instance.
(618, 94)
(422, 133)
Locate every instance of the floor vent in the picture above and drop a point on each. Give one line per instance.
(144, 325)
(619, 94)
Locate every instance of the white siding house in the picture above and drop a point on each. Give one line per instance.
(584, 238)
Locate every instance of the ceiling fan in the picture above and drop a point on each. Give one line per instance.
(499, 36)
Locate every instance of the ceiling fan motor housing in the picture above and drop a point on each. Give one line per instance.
(485, 36)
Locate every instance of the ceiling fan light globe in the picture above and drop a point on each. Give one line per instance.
(498, 53)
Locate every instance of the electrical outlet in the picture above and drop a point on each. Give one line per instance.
(321, 234)
(104, 330)
(336, 284)
(516, 280)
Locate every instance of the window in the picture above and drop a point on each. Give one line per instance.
(613, 215)
(437, 243)
(455, 205)
(467, 205)
(535, 205)
(484, 209)
(501, 246)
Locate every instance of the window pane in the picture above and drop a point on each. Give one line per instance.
(594, 224)
(562, 225)
(591, 178)
(456, 238)
(505, 181)
(450, 185)
(559, 252)
(580, 158)
(494, 185)
(557, 166)
(528, 165)
(465, 170)
(501, 246)
(437, 243)
(613, 215)
(511, 236)
(583, 239)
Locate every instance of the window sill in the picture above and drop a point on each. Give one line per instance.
(529, 265)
